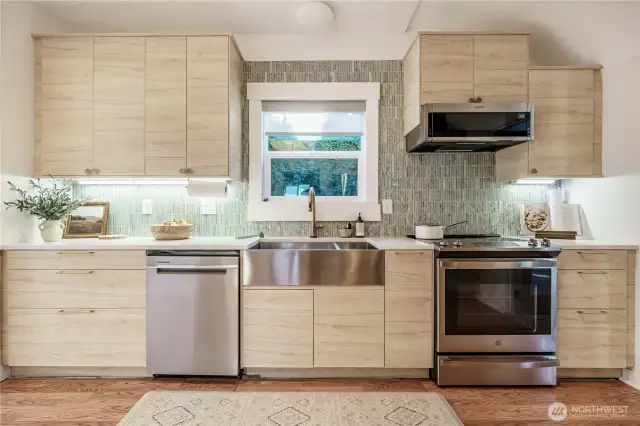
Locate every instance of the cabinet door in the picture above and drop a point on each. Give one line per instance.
(277, 328)
(208, 106)
(592, 338)
(408, 324)
(500, 67)
(119, 91)
(564, 144)
(446, 68)
(348, 328)
(65, 110)
(166, 106)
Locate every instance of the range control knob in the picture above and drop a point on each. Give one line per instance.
(456, 243)
(533, 242)
(545, 242)
(444, 243)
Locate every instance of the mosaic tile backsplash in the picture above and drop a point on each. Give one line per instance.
(425, 188)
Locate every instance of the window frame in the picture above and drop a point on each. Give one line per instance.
(283, 208)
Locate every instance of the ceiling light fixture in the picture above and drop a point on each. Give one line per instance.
(315, 17)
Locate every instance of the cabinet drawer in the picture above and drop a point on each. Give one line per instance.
(41, 289)
(76, 259)
(77, 337)
(277, 328)
(592, 338)
(589, 289)
(409, 270)
(593, 259)
(348, 328)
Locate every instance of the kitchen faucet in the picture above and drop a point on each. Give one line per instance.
(312, 209)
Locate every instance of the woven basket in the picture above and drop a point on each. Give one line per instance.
(171, 232)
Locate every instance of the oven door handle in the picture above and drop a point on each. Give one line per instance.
(504, 363)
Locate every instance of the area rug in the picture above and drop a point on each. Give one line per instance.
(291, 409)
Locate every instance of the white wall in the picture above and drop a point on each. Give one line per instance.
(19, 21)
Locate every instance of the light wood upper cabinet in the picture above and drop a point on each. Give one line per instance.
(119, 106)
(133, 106)
(166, 106)
(458, 68)
(348, 328)
(568, 127)
(208, 106)
(64, 106)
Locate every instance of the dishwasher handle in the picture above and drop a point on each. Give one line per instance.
(197, 269)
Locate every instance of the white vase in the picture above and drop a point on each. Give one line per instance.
(51, 230)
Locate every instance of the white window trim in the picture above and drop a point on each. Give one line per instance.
(328, 209)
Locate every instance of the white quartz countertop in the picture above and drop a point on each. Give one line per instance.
(228, 243)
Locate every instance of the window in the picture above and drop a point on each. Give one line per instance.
(320, 135)
(313, 144)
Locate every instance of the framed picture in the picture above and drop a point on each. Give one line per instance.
(87, 221)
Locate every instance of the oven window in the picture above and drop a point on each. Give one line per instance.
(498, 301)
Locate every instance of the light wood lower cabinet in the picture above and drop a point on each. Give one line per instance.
(589, 289)
(76, 259)
(77, 337)
(409, 329)
(592, 338)
(348, 328)
(277, 328)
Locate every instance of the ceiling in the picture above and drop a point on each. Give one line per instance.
(563, 32)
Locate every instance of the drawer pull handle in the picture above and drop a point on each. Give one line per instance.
(76, 311)
(593, 273)
(74, 272)
(581, 253)
(592, 312)
(66, 253)
(410, 253)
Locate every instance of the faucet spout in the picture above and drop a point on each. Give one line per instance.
(312, 209)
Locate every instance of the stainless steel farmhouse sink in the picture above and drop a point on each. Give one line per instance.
(320, 263)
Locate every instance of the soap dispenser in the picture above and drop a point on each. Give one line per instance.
(359, 227)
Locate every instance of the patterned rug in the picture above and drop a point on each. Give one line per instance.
(291, 409)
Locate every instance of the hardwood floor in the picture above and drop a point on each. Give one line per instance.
(102, 402)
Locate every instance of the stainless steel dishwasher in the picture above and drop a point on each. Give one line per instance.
(193, 309)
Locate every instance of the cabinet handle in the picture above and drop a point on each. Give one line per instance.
(74, 272)
(410, 253)
(592, 273)
(87, 171)
(593, 312)
(189, 171)
(472, 100)
(76, 311)
(534, 171)
(66, 253)
(478, 99)
(581, 253)
(183, 171)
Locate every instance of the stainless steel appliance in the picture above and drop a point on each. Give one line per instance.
(471, 127)
(193, 309)
(495, 312)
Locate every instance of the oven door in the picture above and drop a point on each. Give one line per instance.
(496, 305)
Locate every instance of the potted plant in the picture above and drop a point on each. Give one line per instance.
(50, 203)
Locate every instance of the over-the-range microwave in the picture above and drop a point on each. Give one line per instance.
(471, 127)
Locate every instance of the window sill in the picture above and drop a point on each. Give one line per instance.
(298, 210)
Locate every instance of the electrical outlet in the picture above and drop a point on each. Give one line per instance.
(147, 206)
(387, 206)
(208, 206)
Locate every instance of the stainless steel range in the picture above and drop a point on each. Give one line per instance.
(496, 312)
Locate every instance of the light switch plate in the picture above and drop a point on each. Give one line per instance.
(387, 206)
(147, 206)
(208, 206)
